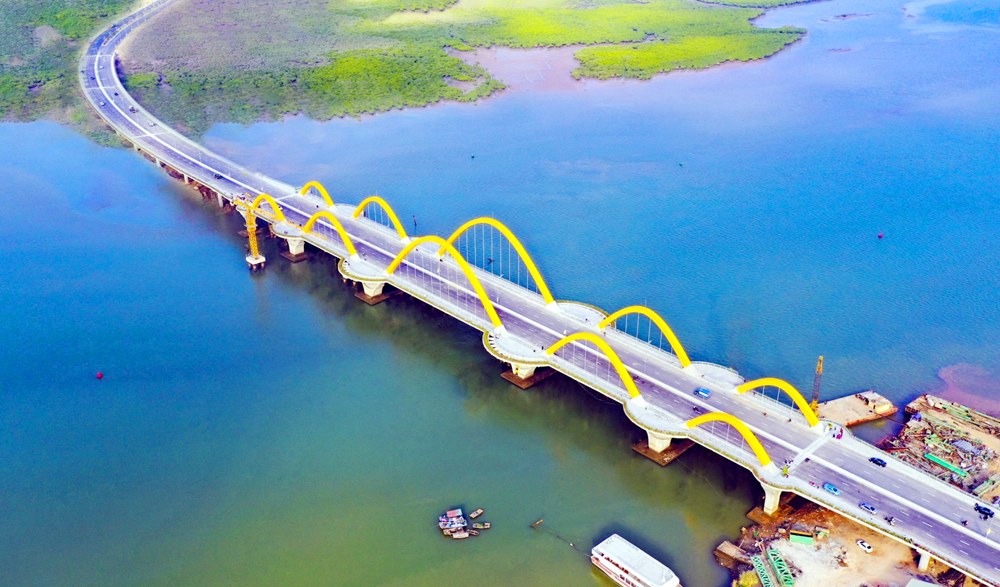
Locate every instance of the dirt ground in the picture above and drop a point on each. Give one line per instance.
(891, 563)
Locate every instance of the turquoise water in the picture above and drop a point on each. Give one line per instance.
(272, 430)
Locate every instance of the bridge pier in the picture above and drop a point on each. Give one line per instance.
(772, 499)
(372, 293)
(657, 441)
(524, 375)
(297, 251)
(925, 560)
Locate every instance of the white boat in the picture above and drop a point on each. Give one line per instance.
(629, 566)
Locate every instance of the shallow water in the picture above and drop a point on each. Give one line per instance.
(272, 430)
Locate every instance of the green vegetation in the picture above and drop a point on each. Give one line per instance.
(353, 82)
(39, 44)
(204, 61)
(643, 60)
(348, 57)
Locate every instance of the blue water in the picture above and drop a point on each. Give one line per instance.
(744, 204)
(272, 430)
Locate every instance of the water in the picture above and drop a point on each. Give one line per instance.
(272, 430)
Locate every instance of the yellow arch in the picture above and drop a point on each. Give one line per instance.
(319, 188)
(674, 343)
(542, 288)
(748, 435)
(278, 214)
(476, 285)
(336, 225)
(633, 391)
(388, 210)
(787, 388)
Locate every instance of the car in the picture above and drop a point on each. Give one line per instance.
(864, 546)
(877, 461)
(983, 510)
(703, 392)
(868, 507)
(217, 176)
(152, 124)
(831, 488)
(103, 104)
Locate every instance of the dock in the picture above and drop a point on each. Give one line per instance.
(859, 408)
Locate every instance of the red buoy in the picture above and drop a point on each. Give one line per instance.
(100, 375)
(880, 235)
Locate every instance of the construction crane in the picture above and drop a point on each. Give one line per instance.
(816, 382)
(254, 259)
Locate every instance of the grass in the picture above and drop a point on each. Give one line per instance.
(204, 61)
(248, 60)
(644, 60)
(39, 44)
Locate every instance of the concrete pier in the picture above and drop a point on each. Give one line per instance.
(666, 456)
(296, 250)
(772, 499)
(534, 375)
(372, 293)
(925, 560)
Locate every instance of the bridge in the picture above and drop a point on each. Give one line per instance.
(482, 275)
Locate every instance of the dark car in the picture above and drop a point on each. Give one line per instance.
(877, 461)
(984, 511)
(218, 176)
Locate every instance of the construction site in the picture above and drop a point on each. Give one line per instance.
(952, 442)
(807, 545)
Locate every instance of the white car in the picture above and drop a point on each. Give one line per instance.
(865, 546)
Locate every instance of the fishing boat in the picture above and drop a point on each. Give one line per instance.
(473, 532)
(481, 525)
(476, 514)
(460, 535)
(629, 566)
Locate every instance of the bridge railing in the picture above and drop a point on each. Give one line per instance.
(772, 404)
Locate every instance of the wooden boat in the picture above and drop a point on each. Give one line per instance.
(460, 535)
(476, 514)
(473, 532)
(481, 525)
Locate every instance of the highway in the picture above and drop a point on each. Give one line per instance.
(928, 511)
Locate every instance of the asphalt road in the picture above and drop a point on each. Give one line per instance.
(928, 512)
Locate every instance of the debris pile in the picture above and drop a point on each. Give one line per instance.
(953, 442)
